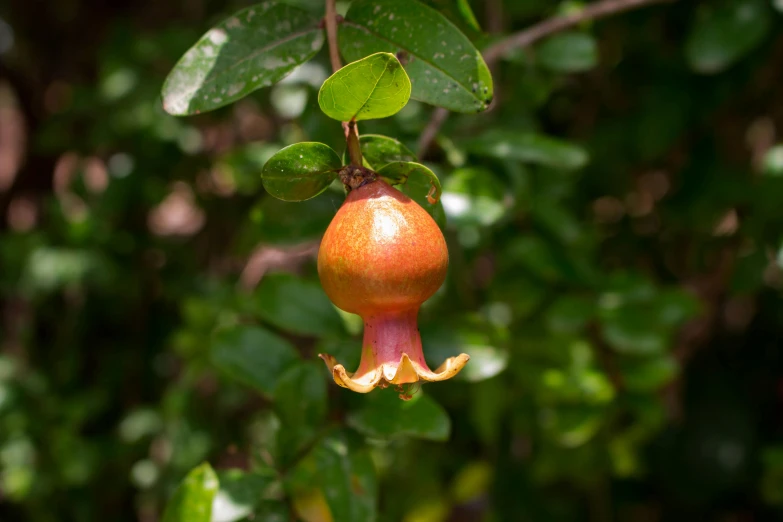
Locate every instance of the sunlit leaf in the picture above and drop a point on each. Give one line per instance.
(723, 32)
(240, 494)
(371, 88)
(192, 501)
(471, 336)
(473, 196)
(300, 171)
(444, 66)
(256, 47)
(385, 415)
(253, 356)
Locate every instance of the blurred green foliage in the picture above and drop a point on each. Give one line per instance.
(616, 246)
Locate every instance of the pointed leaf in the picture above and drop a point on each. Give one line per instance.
(444, 66)
(255, 48)
(725, 32)
(300, 171)
(253, 356)
(528, 147)
(420, 184)
(379, 150)
(384, 415)
(370, 88)
(192, 501)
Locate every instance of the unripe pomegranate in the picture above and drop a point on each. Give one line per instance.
(381, 258)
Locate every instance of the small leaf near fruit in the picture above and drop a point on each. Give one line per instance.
(371, 88)
(300, 171)
(378, 151)
(397, 173)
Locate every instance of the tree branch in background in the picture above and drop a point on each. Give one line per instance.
(331, 35)
(529, 36)
(438, 118)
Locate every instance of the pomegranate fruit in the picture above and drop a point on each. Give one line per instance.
(382, 256)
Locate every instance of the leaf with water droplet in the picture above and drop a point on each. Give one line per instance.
(300, 171)
(256, 47)
(444, 66)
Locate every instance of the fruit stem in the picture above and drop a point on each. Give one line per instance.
(354, 177)
(352, 141)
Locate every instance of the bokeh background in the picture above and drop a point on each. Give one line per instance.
(615, 229)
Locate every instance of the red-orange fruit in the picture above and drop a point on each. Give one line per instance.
(381, 258)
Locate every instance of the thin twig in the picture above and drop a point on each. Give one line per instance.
(529, 36)
(438, 118)
(331, 35)
(558, 23)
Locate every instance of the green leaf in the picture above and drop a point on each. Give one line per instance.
(773, 161)
(471, 336)
(300, 403)
(444, 66)
(192, 501)
(297, 305)
(467, 14)
(568, 52)
(573, 425)
(253, 356)
(255, 48)
(528, 147)
(379, 151)
(385, 415)
(569, 314)
(473, 197)
(724, 32)
(240, 494)
(345, 475)
(417, 187)
(648, 374)
(370, 88)
(397, 173)
(300, 171)
(632, 329)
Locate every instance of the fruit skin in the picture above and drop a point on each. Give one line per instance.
(382, 256)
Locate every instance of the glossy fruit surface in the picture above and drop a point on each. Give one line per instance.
(382, 256)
